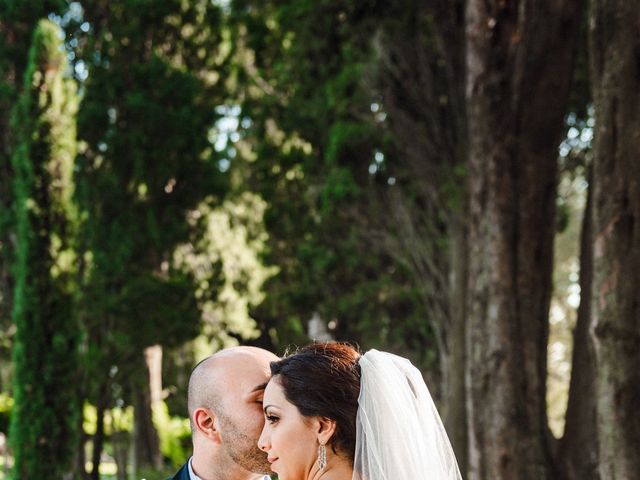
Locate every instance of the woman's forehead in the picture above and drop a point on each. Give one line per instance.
(274, 389)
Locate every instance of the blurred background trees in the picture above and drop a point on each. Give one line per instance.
(45, 346)
(416, 177)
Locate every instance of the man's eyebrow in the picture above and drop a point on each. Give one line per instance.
(260, 387)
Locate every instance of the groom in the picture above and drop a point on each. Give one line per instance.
(225, 410)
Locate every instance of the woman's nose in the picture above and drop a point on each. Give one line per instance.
(263, 444)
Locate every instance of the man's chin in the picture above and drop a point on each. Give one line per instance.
(262, 469)
(256, 464)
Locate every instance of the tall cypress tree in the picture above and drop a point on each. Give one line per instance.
(43, 429)
(17, 22)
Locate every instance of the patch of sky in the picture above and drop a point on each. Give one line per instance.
(225, 5)
(81, 70)
(573, 296)
(73, 14)
(586, 135)
(379, 115)
(223, 164)
(579, 134)
(573, 133)
(228, 110)
(378, 162)
(225, 130)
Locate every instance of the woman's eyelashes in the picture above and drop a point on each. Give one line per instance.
(271, 418)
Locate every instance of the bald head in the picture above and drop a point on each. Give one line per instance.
(220, 374)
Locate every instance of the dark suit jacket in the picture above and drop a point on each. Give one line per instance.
(182, 474)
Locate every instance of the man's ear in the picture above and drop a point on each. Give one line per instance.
(206, 423)
(326, 428)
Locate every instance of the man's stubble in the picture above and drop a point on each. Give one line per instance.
(242, 448)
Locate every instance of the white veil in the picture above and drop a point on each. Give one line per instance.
(399, 434)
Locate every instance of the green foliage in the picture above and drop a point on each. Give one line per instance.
(44, 419)
(175, 435)
(6, 405)
(153, 474)
(146, 163)
(161, 256)
(155, 323)
(227, 251)
(315, 148)
(174, 431)
(19, 20)
(116, 420)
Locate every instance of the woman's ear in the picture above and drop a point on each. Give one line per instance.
(326, 429)
(206, 423)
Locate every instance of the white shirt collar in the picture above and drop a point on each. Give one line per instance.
(192, 475)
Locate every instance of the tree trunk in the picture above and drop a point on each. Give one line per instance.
(98, 437)
(120, 444)
(578, 449)
(147, 443)
(615, 316)
(81, 457)
(455, 417)
(519, 60)
(153, 359)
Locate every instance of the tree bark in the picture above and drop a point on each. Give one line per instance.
(153, 359)
(615, 316)
(455, 396)
(98, 437)
(519, 61)
(578, 448)
(147, 443)
(81, 457)
(120, 445)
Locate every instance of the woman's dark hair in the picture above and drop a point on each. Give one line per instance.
(323, 380)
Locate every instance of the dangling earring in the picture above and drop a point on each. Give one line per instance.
(322, 456)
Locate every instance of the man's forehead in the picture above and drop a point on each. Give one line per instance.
(243, 389)
(247, 373)
(250, 356)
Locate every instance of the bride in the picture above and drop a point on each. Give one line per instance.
(334, 414)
